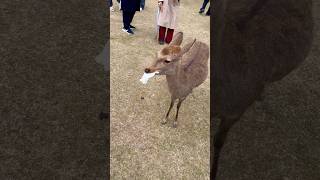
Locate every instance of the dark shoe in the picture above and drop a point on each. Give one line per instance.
(161, 42)
(201, 11)
(132, 27)
(129, 31)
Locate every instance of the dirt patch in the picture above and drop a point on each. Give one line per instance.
(52, 90)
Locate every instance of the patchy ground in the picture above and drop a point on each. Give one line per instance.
(52, 90)
(142, 148)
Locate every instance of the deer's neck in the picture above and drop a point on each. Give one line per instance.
(174, 79)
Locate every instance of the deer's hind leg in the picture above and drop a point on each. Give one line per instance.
(175, 122)
(164, 120)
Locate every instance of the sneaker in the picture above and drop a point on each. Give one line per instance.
(161, 42)
(201, 11)
(111, 9)
(128, 31)
(132, 27)
(141, 9)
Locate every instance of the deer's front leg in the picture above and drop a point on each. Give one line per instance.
(164, 120)
(175, 122)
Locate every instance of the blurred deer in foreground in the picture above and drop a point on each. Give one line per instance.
(255, 42)
(185, 68)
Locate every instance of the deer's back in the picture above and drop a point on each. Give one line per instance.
(197, 72)
(253, 47)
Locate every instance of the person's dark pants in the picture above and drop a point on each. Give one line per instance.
(142, 2)
(127, 18)
(205, 2)
(111, 4)
(162, 34)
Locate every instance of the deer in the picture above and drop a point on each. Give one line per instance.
(185, 68)
(255, 43)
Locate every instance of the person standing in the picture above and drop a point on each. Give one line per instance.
(167, 19)
(129, 8)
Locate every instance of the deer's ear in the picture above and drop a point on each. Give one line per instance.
(174, 49)
(177, 39)
(174, 53)
(188, 46)
(189, 53)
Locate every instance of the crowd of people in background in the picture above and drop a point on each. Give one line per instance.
(166, 16)
(142, 3)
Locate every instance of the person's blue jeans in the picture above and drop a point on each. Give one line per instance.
(110, 3)
(205, 2)
(142, 2)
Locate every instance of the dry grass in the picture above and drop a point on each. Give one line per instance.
(142, 148)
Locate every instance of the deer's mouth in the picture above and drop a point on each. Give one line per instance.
(146, 76)
(151, 70)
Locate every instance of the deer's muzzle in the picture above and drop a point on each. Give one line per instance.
(147, 70)
(150, 70)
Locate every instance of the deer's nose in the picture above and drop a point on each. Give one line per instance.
(147, 70)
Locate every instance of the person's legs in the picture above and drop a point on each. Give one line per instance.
(203, 7)
(126, 19)
(169, 35)
(131, 16)
(162, 33)
(142, 2)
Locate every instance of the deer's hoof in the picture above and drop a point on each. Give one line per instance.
(175, 124)
(164, 121)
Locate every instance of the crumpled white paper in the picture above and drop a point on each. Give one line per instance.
(146, 76)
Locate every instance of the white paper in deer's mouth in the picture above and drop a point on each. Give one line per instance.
(146, 76)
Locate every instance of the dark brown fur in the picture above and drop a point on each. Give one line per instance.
(255, 42)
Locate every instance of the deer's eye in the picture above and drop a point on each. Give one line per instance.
(166, 61)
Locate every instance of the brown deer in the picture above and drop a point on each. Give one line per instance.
(185, 68)
(255, 42)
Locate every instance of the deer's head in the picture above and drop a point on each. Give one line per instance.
(167, 59)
